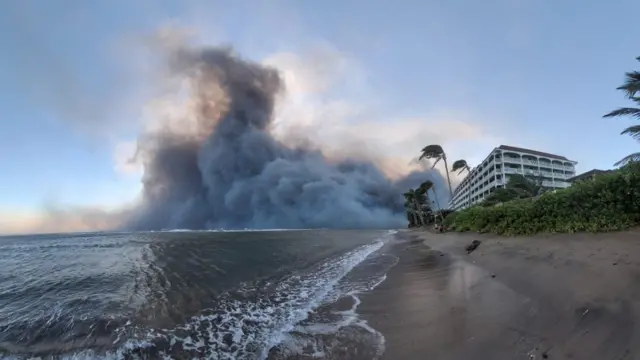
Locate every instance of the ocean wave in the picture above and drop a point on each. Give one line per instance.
(226, 230)
(253, 319)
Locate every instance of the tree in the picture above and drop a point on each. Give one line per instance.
(412, 208)
(424, 188)
(518, 187)
(631, 87)
(525, 186)
(417, 204)
(436, 152)
(460, 166)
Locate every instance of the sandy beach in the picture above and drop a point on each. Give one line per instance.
(570, 296)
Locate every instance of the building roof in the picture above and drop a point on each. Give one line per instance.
(532, 152)
(587, 174)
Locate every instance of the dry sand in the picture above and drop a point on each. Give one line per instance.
(545, 297)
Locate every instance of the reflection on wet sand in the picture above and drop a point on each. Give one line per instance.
(552, 297)
(457, 308)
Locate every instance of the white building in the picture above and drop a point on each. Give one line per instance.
(494, 172)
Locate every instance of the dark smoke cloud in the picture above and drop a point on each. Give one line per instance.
(228, 171)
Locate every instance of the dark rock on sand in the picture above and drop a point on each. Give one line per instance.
(471, 247)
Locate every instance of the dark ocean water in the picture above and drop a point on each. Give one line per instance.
(185, 295)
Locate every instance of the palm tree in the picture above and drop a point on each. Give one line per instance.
(421, 205)
(460, 166)
(425, 187)
(436, 152)
(417, 204)
(410, 208)
(630, 87)
(631, 84)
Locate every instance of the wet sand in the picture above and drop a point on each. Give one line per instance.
(557, 297)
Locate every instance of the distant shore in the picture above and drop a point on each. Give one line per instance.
(566, 296)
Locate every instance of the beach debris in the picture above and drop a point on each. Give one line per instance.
(615, 263)
(493, 275)
(534, 352)
(471, 247)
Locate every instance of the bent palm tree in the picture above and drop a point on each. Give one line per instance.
(425, 187)
(436, 152)
(460, 166)
(630, 87)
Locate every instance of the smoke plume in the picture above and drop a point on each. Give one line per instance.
(219, 166)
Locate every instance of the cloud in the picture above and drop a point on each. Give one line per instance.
(314, 110)
(321, 108)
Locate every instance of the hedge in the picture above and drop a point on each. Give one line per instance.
(608, 203)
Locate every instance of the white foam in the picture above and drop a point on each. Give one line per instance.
(247, 327)
(250, 329)
(348, 317)
(226, 230)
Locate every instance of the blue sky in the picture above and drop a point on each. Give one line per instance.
(531, 73)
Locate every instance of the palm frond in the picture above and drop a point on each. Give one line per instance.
(634, 131)
(436, 162)
(633, 112)
(432, 152)
(426, 186)
(460, 166)
(631, 84)
(635, 157)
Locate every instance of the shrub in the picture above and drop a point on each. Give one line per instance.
(449, 219)
(610, 202)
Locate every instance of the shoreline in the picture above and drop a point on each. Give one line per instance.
(560, 296)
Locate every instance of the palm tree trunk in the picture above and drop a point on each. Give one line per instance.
(437, 203)
(436, 198)
(420, 215)
(446, 168)
(416, 208)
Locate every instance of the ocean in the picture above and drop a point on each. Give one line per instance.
(191, 294)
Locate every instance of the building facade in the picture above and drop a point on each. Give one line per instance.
(504, 161)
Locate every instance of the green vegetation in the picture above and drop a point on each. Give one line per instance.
(518, 187)
(610, 202)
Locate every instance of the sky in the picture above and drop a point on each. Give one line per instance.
(77, 85)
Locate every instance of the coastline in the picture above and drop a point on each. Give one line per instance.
(564, 296)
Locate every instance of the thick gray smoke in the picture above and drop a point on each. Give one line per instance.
(227, 171)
